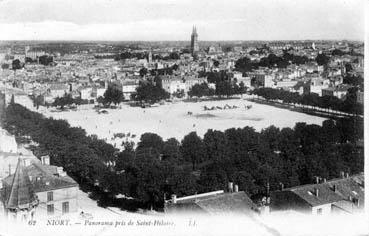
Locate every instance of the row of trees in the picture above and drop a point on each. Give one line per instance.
(158, 168)
(348, 105)
(140, 55)
(245, 64)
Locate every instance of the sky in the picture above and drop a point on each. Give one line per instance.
(159, 20)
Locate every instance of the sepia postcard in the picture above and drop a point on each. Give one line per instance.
(183, 117)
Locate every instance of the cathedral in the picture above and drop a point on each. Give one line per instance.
(194, 41)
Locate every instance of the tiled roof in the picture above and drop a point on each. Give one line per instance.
(45, 178)
(325, 196)
(58, 86)
(237, 202)
(217, 203)
(19, 194)
(335, 190)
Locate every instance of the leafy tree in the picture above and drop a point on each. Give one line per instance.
(148, 92)
(29, 60)
(171, 149)
(113, 95)
(101, 100)
(200, 90)
(322, 59)
(45, 60)
(179, 93)
(193, 149)
(175, 67)
(213, 178)
(174, 56)
(224, 88)
(63, 101)
(16, 64)
(216, 145)
(143, 71)
(337, 52)
(5, 66)
(152, 143)
(242, 88)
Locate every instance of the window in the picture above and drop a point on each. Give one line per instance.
(50, 196)
(50, 209)
(319, 211)
(65, 208)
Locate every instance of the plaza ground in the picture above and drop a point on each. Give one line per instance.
(178, 119)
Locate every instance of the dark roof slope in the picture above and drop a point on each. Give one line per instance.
(45, 178)
(215, 203)
(335, 190)
(237, 202)
(20, 193)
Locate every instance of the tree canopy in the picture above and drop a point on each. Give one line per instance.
(150, 92)
(113, 95)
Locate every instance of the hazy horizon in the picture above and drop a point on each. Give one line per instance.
(172, 20)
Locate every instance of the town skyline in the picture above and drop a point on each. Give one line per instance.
(173, 20)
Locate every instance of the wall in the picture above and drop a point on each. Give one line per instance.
(326, 209)
(59, 196)
(287, 200)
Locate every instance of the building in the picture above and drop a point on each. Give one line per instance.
(7, 142)
(85, 92)
(57, 90)
(360, 97)
(316, 85)
(213, 203)
(18, 200)
(339, 92)
(173, 85)
(342, 195)
(261, 79)
(34, 180)
(194, 41)
(128, 88)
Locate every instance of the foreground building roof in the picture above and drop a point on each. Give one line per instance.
(19, 195)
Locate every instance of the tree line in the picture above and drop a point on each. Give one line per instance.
(157, 168)
(349, 105)
(244, 64)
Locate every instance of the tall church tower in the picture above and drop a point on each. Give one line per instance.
(194, 41)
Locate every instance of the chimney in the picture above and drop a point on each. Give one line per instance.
(235, 188)
(59, 170)
(317, 179)
(174, 198)
(45, 160)
(356, 202)
(230, 187)
(347, 175)
(316, 190)
(342, 174)
(281, 185)
(334, 188)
